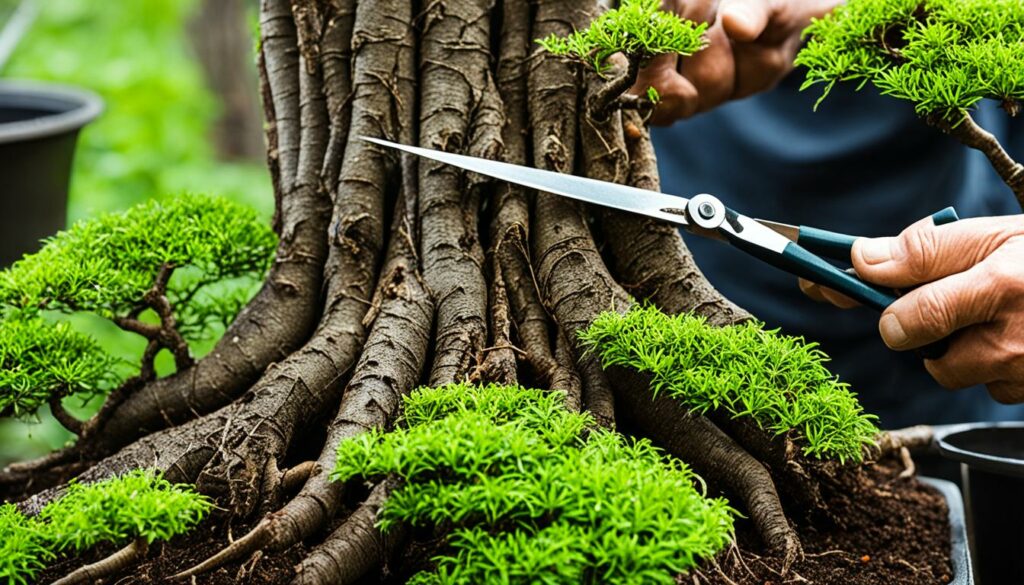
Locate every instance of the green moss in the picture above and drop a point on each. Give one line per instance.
(779, 381)
(39, 359)
(139, 504)
(22, 549)
(636, 28)
(942, 55)
(536, 492)
(106, 264)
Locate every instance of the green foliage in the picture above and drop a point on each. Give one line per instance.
(106, 264)
(942, 55)
(139, 504)
(22, 549)
(637, 28)
(779, 381)
(39, 359)
(535, 493)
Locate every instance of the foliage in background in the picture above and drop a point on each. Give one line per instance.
(109, 266)
(533, 490)
(152, 141)
(140, 504)
(779, 381)
(942, 55)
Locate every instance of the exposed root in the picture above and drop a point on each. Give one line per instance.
(892, 442)
(115, 563)
(294, 477)
(715, 456)
(566, 378)
(353, 549)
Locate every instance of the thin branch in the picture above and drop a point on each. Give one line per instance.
(606, 100)
(968, 132)
(64, 417)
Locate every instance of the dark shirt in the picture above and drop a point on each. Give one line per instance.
(863, 164)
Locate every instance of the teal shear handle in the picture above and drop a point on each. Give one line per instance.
(837, 246)
(801, 260)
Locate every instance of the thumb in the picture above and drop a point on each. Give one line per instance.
(744, 20)
(925, 253)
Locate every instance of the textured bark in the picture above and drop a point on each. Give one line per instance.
(282, 314)
(345, 327)
(650, 255)
(967, 131)
(455, 70)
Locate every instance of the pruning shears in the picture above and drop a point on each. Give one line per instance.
(799, 250)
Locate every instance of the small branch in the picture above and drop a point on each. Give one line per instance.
(606, 100)
(968, 132)
(147, 373)
(64, 417)
(170, 337)
(133, 325)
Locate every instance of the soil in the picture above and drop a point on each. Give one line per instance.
(894, 531)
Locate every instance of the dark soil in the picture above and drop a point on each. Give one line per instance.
(893, 531)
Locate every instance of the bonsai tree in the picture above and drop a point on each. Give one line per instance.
(149, 271)
(392, 273)
(639, 31)
(944, 56)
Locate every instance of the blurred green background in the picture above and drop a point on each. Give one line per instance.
(153, 140)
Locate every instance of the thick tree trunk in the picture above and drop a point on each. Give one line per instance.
(473, 280)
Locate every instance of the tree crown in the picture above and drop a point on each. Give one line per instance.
(140, 504)
(942, 55)
(637, 28)
(779, 381)
(106, 264)
(535, 489)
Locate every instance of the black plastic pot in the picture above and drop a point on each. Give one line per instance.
(39, 125)
(959, 555)
(991, 457)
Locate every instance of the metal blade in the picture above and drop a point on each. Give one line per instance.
(790, 232)
(650, 203)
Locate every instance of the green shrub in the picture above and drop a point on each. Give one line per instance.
(106, 264)
(535, 493)
(40, 359)
(942, 55)
(217, 252)
(637, 28)
(779, 381)
(140, 504)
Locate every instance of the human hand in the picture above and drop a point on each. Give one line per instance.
(970, 279)
(752, 47)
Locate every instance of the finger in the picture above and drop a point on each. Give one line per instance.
(745, 20)
(760, 67)
(826, 295)
(924, 252)
(972, 358)
(712, 72)
(699, 10)
(934, 311)
(678, 96)
(1007, 392)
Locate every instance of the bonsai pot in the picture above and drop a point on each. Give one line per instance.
(991, 457)
(959, 555)
(39, 125)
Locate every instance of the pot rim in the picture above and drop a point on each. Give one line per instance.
(73, 108)
(1008, 466)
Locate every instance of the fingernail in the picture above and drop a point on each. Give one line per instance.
(876, 251)
(892, 331)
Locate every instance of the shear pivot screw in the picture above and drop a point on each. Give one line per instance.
(706, 210)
